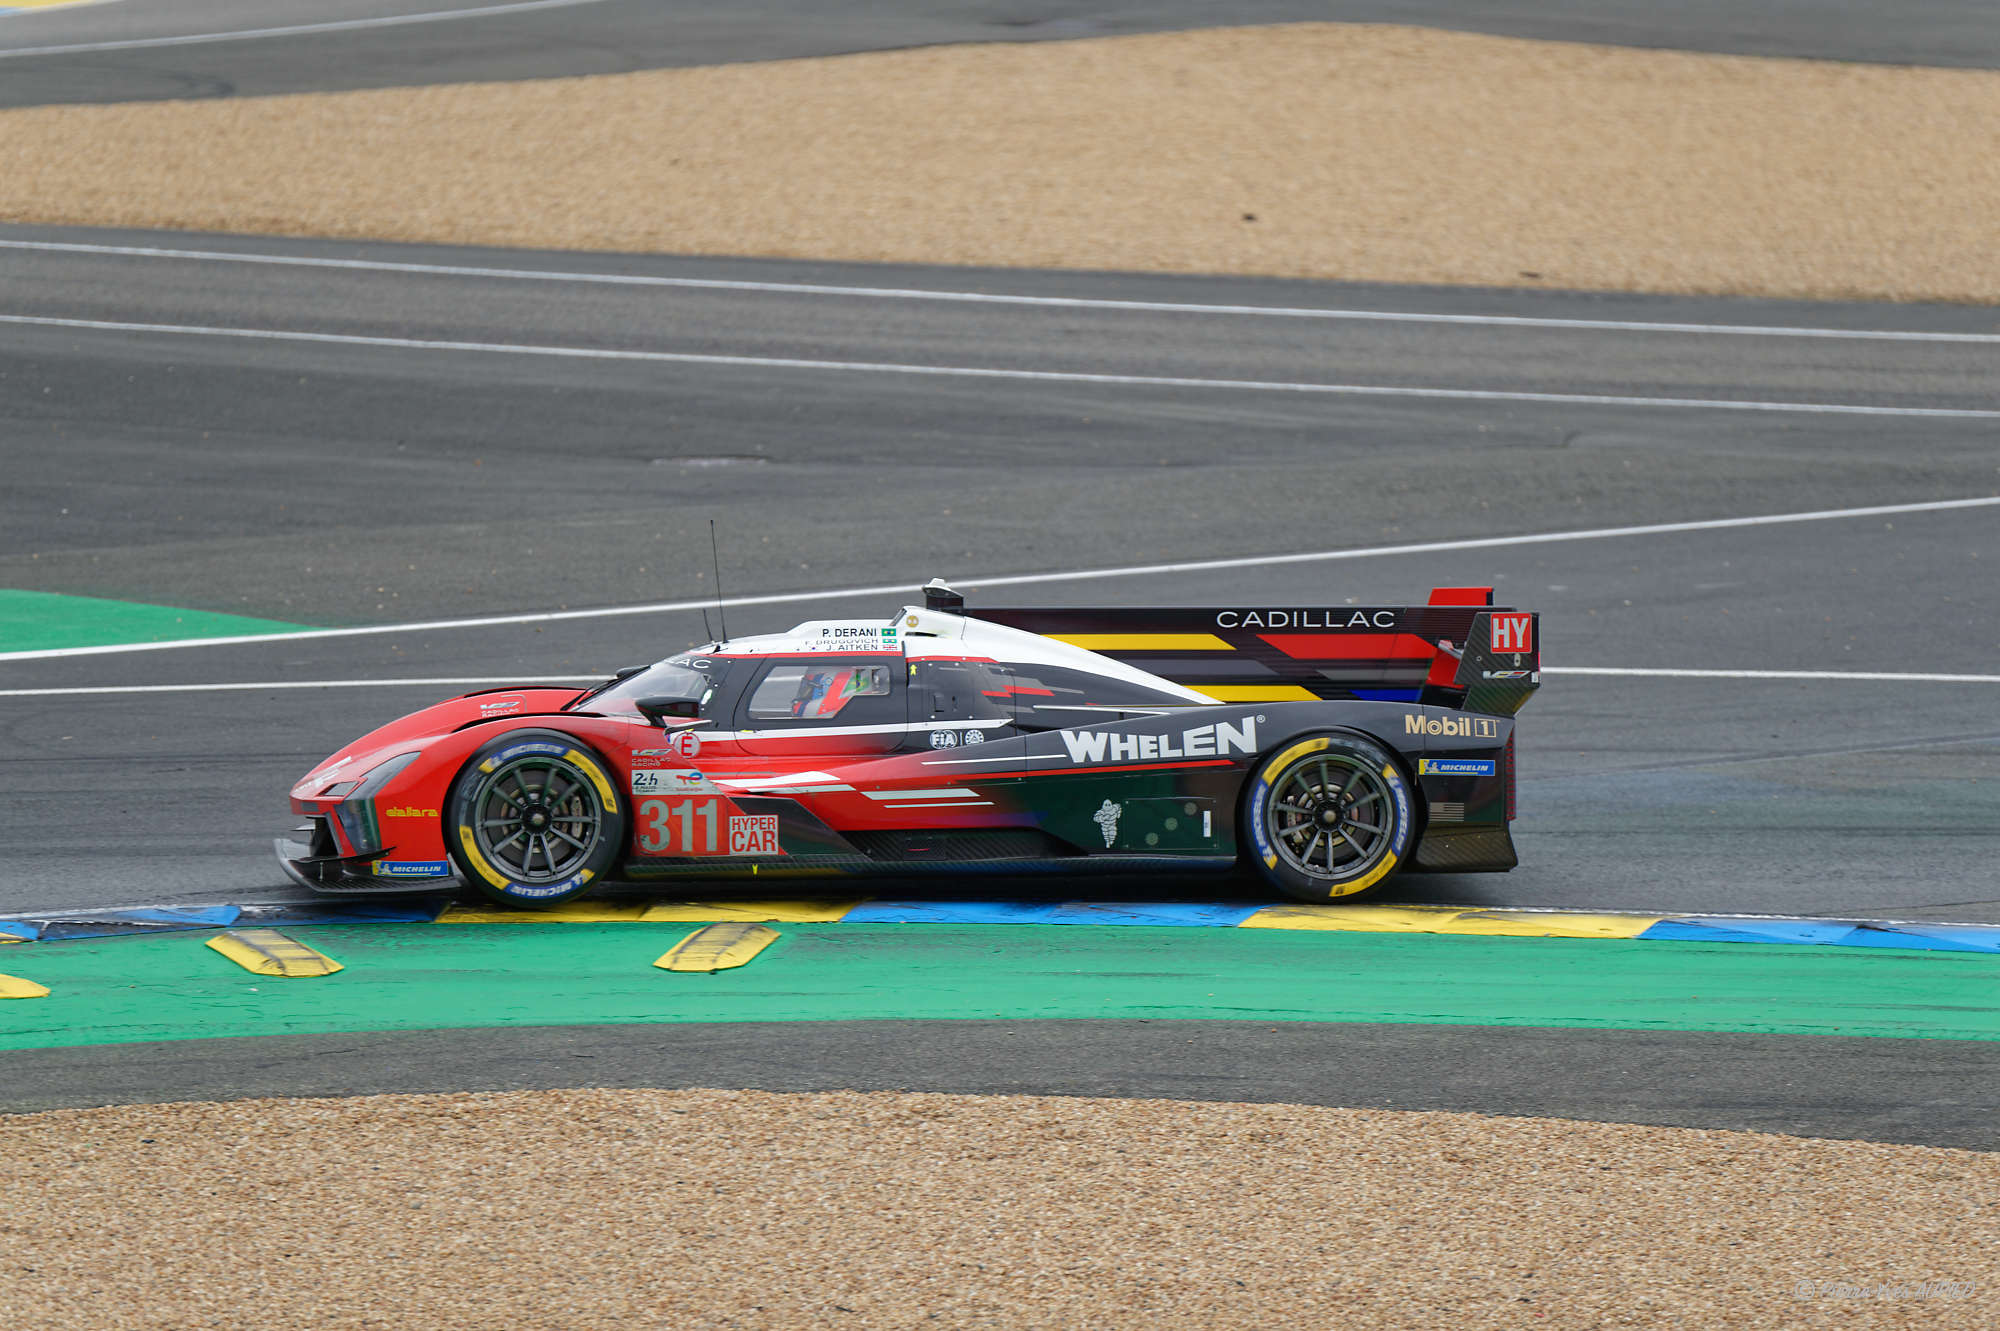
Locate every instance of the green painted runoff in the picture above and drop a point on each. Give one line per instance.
(45, 621)
(170, 986)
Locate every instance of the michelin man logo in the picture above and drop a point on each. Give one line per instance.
(1106, 818)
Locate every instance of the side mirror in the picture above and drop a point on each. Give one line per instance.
(657, 710)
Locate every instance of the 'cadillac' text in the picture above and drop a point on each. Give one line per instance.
(1305, 619)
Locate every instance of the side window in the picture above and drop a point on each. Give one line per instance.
(827, 692)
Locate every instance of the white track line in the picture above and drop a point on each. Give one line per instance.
(975, 582)
(990, 372)
(992, 298)
(504, 680)
(254, 34)
(1889, 676)
(258, 686)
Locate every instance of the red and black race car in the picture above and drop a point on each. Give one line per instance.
(1329, 746)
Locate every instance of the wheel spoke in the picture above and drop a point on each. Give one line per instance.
(1349, 787)
(1366, 827)
(499, 822)
(1358, 852)
(1314, 845)
(1297, 830)
(571, 789)
(1369, 798)
(502, 844)
(1325, 781)
(1332, 844)
(1299, 809)
(557, 831)
(498, 793)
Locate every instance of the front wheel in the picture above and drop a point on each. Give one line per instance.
(534, 819)
(1329, 817)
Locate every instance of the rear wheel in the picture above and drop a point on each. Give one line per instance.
(1329, 817)
(534, 819)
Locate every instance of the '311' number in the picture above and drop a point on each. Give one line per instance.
(670, 827)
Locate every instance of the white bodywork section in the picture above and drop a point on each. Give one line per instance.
(935, 634)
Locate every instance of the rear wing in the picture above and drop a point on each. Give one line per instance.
(1459, 650)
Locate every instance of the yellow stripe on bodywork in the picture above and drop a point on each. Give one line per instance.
(13, 986)
(1452, 920)
(1255, 692)
(782, 912)
(268, 952)
(718, 947)
(1144, 642)
(579, 912)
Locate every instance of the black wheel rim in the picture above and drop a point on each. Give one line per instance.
(537, 820)
(1330, 816)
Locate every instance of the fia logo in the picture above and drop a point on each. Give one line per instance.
(944, 739)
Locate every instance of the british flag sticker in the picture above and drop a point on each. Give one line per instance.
(1513, 633)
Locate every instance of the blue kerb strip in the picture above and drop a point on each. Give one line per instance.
(1697, 929)
(344, 912)
(20, 929)
(142, 921)
(1924, 936)
(1153, 912)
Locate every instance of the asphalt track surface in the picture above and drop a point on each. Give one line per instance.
(1924, 1092)
(347, 482)
(355, 482)
(199, 48)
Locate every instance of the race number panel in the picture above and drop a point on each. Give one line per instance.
(691, 827)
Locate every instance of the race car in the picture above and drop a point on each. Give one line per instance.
(1329, 746)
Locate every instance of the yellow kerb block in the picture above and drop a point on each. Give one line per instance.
(718, 947)
(13, 986)
(268, 952)
(1452, 920)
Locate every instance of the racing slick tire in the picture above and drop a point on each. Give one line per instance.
(1328, 817)
(534, 818)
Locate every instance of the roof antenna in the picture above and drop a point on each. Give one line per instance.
(715, 553)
